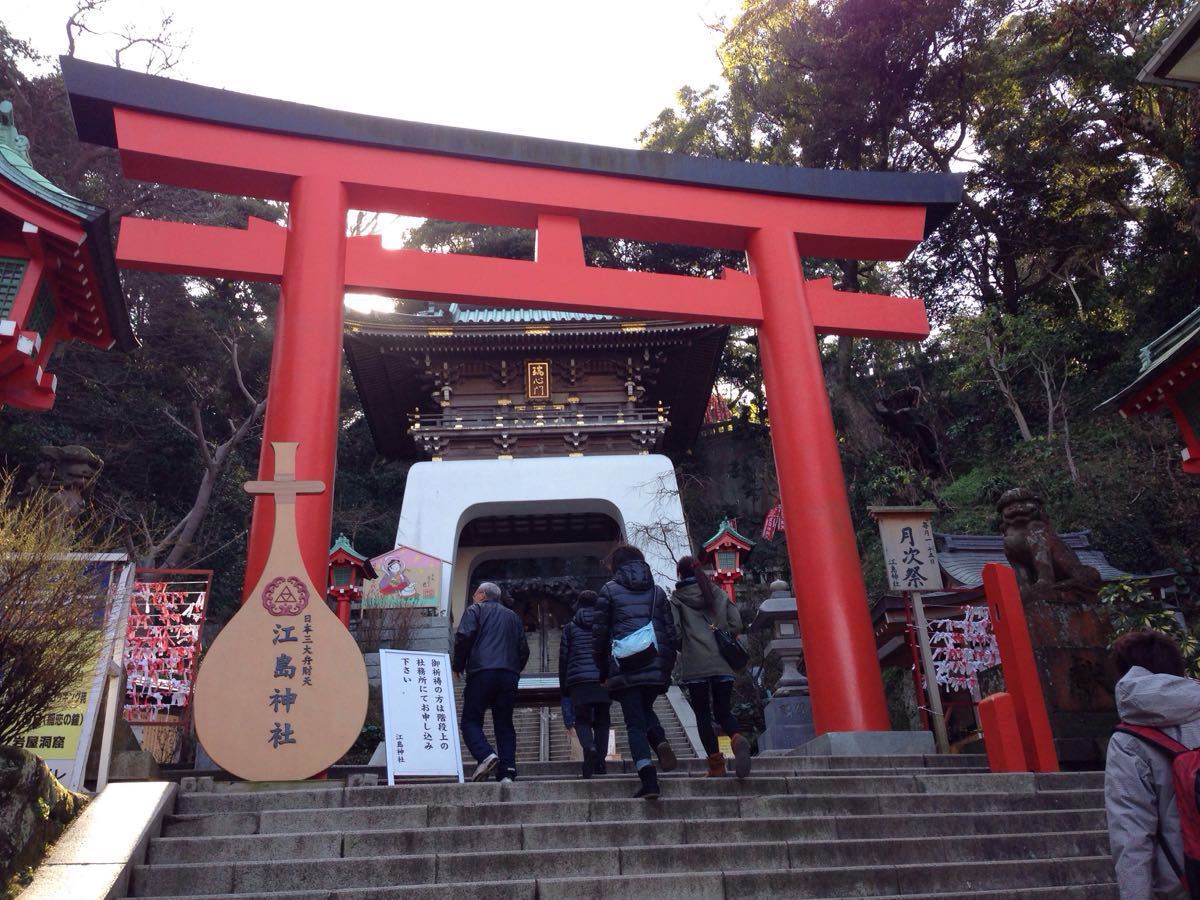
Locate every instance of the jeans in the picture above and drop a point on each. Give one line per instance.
(641, 722)
(592, 724)
(494, 689)
(722, 692)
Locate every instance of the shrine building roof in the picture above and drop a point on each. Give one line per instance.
(383, 351)
(96, 90)
(963, 556)
(18, 171)
(1170, 358)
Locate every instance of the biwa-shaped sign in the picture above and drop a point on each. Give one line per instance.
(282, 691)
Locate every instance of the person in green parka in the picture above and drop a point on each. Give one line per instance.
(699, 609)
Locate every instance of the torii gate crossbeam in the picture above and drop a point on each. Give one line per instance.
(325, 163)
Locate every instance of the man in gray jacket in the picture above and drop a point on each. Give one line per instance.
(490, 647)
(1139, 795)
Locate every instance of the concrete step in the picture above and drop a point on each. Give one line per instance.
(416, 841)
(880, 859)
(806, 827)
(1021, 788)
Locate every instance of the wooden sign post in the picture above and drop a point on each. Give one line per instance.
(282, 692)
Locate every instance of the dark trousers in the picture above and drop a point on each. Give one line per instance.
(641, 722)
(494, 689)
(592, 724)
(721, 693)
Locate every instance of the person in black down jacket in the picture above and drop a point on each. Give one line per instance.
(579, 680)
(490, 647)
(624, 605)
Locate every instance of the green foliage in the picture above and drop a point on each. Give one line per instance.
(1131, 604)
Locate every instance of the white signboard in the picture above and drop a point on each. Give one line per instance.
(420, 721)
(908, 549)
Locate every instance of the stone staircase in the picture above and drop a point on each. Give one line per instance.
(562, 747)
(798, 827)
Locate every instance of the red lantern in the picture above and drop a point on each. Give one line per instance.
(347, 570)
(723, 554)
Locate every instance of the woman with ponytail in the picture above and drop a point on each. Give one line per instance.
(699, 609)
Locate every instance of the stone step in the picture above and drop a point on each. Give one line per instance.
(373, 870)
(416, 841)
(561, 811)
(1020, 787)
(400, 821)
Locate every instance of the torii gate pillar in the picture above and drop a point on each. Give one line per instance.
(304, 390)
(834, 621)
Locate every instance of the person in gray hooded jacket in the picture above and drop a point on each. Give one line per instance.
(699, 609)
(1139, 795)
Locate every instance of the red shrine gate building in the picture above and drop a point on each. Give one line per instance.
(325, 163)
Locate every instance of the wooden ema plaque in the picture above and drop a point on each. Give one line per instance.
(282, 692)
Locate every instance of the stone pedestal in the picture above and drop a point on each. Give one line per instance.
(869, 743)
(1070, 645)
(789, 723)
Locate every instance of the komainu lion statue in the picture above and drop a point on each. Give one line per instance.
(1046, 568)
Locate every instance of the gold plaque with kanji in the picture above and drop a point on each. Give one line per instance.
(537, 380)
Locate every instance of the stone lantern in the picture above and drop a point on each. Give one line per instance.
(789, 711)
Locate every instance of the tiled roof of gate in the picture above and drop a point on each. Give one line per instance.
(474, 315)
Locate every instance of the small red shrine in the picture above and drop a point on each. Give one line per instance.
(723, 552)
(347, 570)
(58, 279)
(1170, 377)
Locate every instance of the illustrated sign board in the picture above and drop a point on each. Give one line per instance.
(420, 721)
(282, 692)
(407, 577)
(63, 738)
(162, 644)
(909, 551)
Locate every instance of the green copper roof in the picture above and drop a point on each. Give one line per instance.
(1173, 345)
(343, 543)
(726, 528)
(16, 167)
(1165, 344)
(474, 315)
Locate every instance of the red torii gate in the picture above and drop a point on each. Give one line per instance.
(324, 163)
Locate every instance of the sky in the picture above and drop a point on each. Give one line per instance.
(592, 72)
(563, 69)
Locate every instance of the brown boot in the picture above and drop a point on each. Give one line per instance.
(741, 756)
(716, 765)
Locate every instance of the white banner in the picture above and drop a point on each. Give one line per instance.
(420, 721)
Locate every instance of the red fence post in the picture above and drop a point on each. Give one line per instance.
(1001, 734)
(1020, 668)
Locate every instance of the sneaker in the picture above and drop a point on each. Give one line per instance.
(649, 788)
(666, 757)
(741, 756)
(485, 768)
(506, 780)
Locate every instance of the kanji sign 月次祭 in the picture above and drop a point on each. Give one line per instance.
(909, 551)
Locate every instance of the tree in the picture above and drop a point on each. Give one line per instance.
(51, 609)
